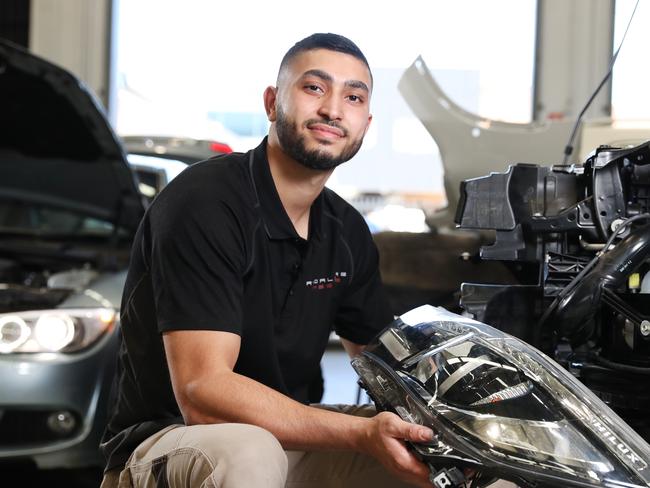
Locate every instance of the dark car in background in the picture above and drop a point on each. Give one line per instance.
(69, 207)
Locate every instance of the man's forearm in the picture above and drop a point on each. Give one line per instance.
(230, 397)
(352, 348)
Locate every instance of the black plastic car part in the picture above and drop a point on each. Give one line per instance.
(582, 232)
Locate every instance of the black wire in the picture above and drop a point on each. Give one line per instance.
(624, 224)
(568, 149)
(626, 368)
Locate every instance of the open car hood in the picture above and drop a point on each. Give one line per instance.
(56, 146)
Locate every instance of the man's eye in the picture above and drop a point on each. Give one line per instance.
(314, 88)
(355, 98)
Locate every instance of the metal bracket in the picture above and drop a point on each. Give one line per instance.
(447, 477)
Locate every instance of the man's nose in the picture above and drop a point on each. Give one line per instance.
(331, 107)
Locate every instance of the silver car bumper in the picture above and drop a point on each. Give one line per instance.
(53, 406)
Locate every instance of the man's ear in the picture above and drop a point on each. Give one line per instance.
(367, 125)
(270, 97)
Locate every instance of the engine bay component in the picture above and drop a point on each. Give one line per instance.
(581, 233)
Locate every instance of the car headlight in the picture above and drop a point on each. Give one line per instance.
(64, 330)
(498, 404)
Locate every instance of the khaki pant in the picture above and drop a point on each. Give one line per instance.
(243, 456)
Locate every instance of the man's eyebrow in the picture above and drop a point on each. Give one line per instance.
(357, 84)
(318, 73)
(323, 75)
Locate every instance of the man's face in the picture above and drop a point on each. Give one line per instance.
(322, 108)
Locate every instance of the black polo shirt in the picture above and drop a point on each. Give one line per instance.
(216, 251)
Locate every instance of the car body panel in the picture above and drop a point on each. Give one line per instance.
(105, 291)
(471, 145)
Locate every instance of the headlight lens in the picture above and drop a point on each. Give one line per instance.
(64, 330)
(13, 333)
(496, 400)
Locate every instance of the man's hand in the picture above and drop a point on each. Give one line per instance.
(384, 440)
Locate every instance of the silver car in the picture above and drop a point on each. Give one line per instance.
(69, 206)
(183, 149)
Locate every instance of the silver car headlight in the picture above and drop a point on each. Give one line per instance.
(59, 330)
(498, 404)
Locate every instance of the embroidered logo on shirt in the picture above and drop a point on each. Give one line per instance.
(324, 283)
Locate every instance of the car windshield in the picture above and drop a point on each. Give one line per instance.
(37, 219)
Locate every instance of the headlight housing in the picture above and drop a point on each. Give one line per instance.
(498, 404)
(59, 330)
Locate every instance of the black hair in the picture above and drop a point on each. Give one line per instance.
(329, 41)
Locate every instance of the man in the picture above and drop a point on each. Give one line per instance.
(239, 270)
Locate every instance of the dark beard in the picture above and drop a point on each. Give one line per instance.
(294, 145)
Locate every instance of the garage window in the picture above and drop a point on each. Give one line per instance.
(198, 69)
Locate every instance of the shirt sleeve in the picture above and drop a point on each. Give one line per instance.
(364, 310)
(197, 258)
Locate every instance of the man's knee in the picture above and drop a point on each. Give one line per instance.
(240, 454)
(246, 443)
